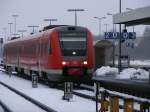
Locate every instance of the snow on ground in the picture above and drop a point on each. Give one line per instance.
(50, 97)
(132, 73)
(129, 73)
(139, 62)
(12, 100)
(90, 93)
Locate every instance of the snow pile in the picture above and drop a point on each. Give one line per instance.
(129, 73)
(132, 73)
(106, 70)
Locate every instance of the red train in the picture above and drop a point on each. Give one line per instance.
(58, 53)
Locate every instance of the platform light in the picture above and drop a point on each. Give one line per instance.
(85, 62)
(50, 20)
(100, 19)
(75, 10)
(15, 23)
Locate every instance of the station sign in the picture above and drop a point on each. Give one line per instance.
(124, 35)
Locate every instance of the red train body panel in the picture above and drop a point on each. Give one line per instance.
(59, 54)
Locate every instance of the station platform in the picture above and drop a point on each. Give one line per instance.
(139, 88)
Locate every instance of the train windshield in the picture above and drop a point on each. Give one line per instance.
(73, 43)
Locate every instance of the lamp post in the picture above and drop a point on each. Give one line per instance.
(33, 28)
(5, 32)
(22, 31)
(106, 26)
(10, 29)
(100, 19)
(114, 25)
(50, 20)
(75, 10)
(120, 39)
(15, 23)
(114, 30)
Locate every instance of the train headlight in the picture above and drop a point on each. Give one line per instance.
(85, 62)
(64, 63)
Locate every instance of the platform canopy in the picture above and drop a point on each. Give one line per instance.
(133, 17)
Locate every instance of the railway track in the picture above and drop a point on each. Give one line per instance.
(35, 102)
(5, 107)
(93, 98)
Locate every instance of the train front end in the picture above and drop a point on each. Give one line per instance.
(76, 53)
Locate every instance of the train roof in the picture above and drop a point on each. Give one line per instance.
(38, 34)
(52, 26)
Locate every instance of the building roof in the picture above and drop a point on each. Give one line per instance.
(133, 17)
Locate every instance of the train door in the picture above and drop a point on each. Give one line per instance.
(19, 49)
(39, 56)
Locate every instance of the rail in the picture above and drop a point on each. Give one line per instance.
(42, 106)
(5, 108)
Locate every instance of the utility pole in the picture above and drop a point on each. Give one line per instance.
(50, 20)
(75, 10)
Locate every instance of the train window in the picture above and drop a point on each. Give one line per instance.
(73, 41)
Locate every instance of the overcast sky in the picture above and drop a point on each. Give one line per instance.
(32, 12)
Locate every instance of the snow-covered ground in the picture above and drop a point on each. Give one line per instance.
(17, 103)
(121, 101)
(106, 70)
(1, 109)
(129, 73)
(139, 62)
(50, 97)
